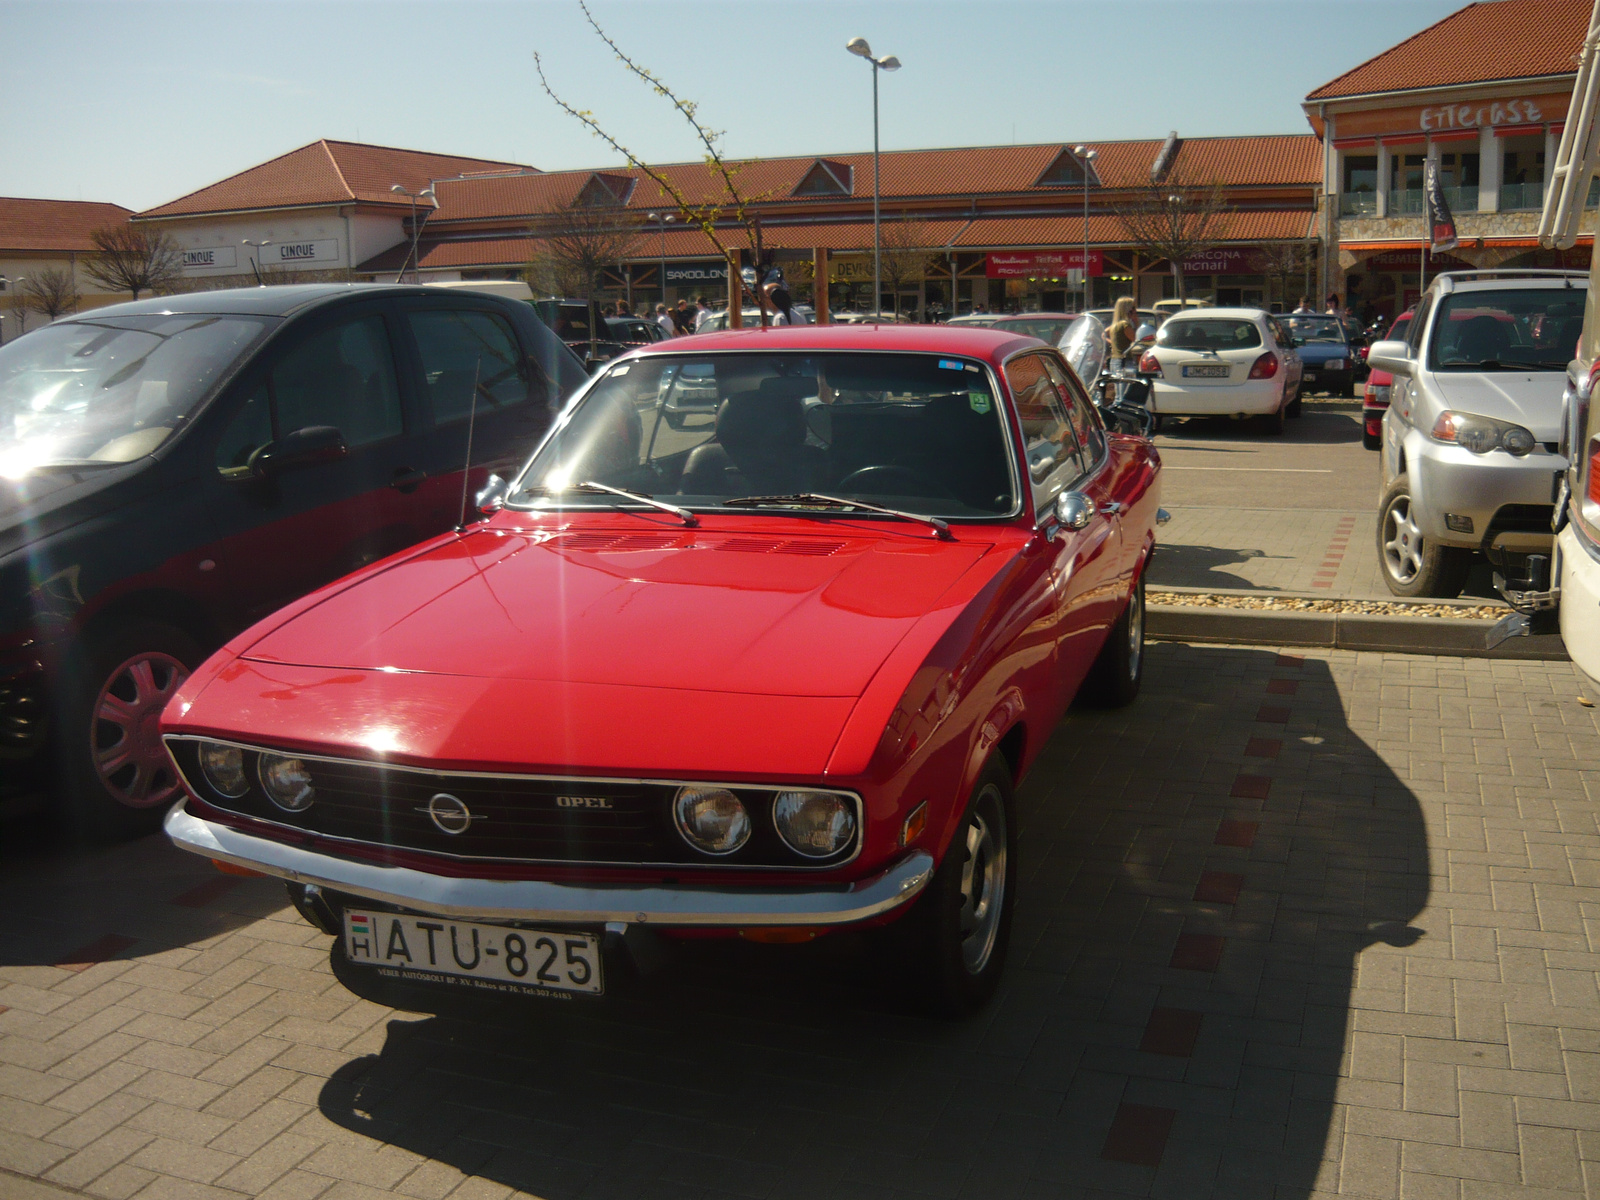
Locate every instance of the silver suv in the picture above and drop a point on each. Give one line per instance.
(1471, 458)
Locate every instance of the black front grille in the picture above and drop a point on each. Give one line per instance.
(1522, 518)
(512, 818)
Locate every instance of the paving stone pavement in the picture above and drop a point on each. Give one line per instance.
(1313, 551)
(1291, 926)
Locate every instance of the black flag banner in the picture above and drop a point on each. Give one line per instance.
(1441, 225)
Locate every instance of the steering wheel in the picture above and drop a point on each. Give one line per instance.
(886, 479)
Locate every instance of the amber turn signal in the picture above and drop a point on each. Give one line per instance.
(228, 868)
(915, 824)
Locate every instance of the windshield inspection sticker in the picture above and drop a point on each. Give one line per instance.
(946, 365)
(979, 401)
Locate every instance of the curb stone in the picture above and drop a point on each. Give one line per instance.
(1343, 631)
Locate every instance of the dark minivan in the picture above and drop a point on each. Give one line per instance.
(173, 469)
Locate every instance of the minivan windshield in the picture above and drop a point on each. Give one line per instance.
(916, 432)
(108, 390)
(1515, 329)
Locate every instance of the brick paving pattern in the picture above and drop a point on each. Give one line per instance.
(1370, 971)
(1274, 549)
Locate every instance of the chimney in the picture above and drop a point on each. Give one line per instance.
(1164, 159)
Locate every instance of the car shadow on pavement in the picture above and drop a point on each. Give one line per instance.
(1315, 427)
(1178, 565)
(1199, 875)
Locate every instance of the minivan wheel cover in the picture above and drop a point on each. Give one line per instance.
(125, 730)
(1402, 542)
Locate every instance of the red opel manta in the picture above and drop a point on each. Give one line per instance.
(759, 642)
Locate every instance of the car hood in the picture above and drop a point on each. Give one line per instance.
(761, 611)
(1529, 399)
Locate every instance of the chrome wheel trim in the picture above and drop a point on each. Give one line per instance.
(125, 730)
(1402, 542)
(983, 880)
(1136, 630)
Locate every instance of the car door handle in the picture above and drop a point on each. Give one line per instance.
(407, 479)
(1111, 507)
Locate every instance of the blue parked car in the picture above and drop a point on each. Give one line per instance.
(1331, 362)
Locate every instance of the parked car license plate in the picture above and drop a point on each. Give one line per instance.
(489, 957)
(1309, 377)
(1205, 370)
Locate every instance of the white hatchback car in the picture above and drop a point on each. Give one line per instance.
(1224, 362)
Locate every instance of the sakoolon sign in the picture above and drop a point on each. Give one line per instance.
(692, 274)
(1040, 264)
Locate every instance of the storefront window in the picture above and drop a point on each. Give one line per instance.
(1522, 172)
(1405, 183)
(1458, 174)
(1360, 195)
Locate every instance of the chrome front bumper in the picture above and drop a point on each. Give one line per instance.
(536, 900)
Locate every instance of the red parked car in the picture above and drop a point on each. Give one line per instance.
(769, 673)
(1375, 396)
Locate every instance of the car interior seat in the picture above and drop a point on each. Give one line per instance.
(759, 444)
(1483, 338)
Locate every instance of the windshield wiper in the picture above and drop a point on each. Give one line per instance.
(588, 485)
(817, 499)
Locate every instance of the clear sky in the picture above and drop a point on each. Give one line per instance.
(138, 102)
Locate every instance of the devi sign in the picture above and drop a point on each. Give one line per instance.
(1040, 264)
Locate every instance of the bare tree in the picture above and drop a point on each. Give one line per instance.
(1173, 220)
(135, 259)
(571, 257)
(53, 291)
(905, 255)
(18, 302)
(732, 199)
(1284, 264)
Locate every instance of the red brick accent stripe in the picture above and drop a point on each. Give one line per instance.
(1273, 713)
(1237, 833)
(1251, 787)
(1260, 747)
(1218, 887)
(1291, 660)
(205, 893)
(1139, 1134)
(1198, 952)
(1171, 1031)
(96, 951)
(1282, 687)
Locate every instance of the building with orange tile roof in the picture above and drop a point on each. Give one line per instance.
(1483, 93)
(48, 235)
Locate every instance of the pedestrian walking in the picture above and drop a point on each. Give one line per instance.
(683, 317)
(1304, 308)
(782, 305)
(664, 320)
(702, 312)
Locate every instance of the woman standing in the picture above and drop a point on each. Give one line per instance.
(1123, 332)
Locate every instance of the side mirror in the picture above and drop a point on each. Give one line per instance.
(1073, 510)
(303, 448)
(1391, 356)
(492, 497)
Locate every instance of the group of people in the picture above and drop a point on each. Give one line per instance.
(685, 318)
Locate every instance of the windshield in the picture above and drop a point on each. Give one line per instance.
(110, 390)
(1517, 329)
(1208, 333)
(914, 431)
(1316, 329)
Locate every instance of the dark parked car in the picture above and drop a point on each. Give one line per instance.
(173, 469)
(1330, 360)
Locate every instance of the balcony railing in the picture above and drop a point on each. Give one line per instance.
(1521, 195)
(1460, 200)
(1358, 204)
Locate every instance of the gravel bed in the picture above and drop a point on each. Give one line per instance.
(1384, 608)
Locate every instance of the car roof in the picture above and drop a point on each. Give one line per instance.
(1201, 314)
(1487, 281)
(278, 301)
(995, 345)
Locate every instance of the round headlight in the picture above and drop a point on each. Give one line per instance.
(712, 820)
(1517, 440)
(815, 824)
(223, 767)
(287, 782)
(1479, 438)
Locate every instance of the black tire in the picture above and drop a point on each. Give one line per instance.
(1413, 566)
(953, 955)
(1294, 407)
(116, 781)
(1371, 441)
(1348, 391)
(1113, 681)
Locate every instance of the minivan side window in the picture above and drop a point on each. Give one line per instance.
(461, 348)
(342, 376)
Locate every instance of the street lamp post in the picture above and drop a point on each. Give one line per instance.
(1086, 156)
(662, 220)
(416, 229)
(888, 62)
(254, 265)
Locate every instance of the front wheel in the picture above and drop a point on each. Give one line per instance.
(954, 938)
(1414, 566)
(117, 780)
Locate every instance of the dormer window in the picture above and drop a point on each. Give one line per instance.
(827, 178)
(605, 191)
(1067, 170)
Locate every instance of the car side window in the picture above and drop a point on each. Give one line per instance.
(1280, 335)
(1049, 440)
(463, 347)
(342, 376)
(1086, 424)
(1419, 322)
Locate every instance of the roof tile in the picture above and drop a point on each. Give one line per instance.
(59, 225)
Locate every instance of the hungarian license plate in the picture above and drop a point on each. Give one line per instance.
(1205, 370)
(488, 957)
(1309, 377)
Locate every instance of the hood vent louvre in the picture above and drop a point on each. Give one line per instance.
(613, 541)
(756, 545)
